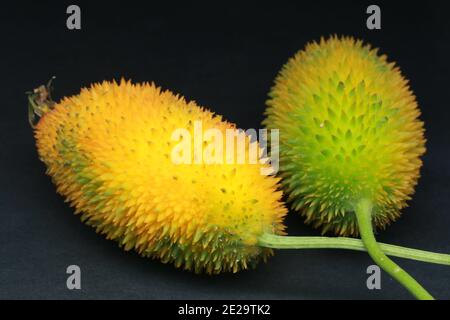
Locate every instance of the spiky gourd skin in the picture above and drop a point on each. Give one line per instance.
(108, 150)
(349, 129)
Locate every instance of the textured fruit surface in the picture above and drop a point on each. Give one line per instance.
(349, 129)
(108, 150)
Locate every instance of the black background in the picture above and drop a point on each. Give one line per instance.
(225, 56)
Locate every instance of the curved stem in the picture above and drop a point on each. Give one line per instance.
(363, 211)
(290, 242)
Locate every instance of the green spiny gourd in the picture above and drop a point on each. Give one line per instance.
(349, 129)
(350, 141)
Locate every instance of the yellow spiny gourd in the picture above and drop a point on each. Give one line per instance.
(108, 150)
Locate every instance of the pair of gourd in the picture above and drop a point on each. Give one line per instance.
(350, 147)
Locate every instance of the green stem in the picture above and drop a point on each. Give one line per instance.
(289, 242)
(363, 211)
